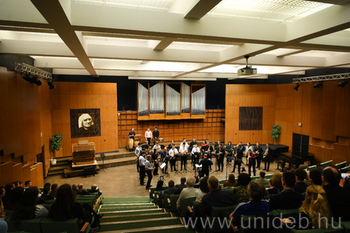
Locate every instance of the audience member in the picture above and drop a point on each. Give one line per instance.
(80, 188)
(95, 189)
(18, 183)
(300, 176)
(203, 189)
(216, 197)
(314, 212)
(2, 192)
(159, 186)
(262, 179)
(170, 190)
(187, 192)
(181, 186)
(54, 188)
(240, 191)
(27, 184)
(275, 185)
(8, 189)
(75, 188)
(47, 184)
(45, 196)
(256, 191)
(15, 197)
(27, 208)
(315, 177)
(196, 184)
(338, 197)
(231, 182)
(3, 224)
(287, 198)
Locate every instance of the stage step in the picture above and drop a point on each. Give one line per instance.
(123, 153)
(117, 162)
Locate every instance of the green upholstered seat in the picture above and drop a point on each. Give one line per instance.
(173, 200)
(29, 225)
(69, 226)
(183, 205)
(346, 226)
(341, 165)
(215, 212)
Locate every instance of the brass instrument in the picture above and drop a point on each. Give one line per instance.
(265, 153)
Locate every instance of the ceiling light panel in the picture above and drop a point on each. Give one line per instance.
(121, 41)
(198, 46)
(279, 11)
(317, 53)
(30, 36)
(279, 52)
(153, 5)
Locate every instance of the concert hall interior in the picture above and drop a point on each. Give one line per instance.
(185, 67)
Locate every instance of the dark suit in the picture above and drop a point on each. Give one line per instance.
(285, 200)
(205, 167)
(179, 188)
(165, 158)
(258, 155)
(300, 187)
(238, 160)
(339, 202)
(217, 198)
(220, 158)
(267, 159)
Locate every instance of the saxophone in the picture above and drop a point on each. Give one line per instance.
(265, 153)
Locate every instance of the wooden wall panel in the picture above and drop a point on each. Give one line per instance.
(211, 127)
(68, 96)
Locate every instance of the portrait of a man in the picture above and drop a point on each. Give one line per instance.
(86, 123)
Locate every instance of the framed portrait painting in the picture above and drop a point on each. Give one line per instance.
(85, 122)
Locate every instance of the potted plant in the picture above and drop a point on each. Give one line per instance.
(276, 132)
(55, 143)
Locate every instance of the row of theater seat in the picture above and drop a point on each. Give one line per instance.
(45, 225)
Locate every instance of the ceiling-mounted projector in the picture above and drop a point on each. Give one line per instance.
(247, 70)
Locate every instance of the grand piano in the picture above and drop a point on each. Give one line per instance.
(293, 159)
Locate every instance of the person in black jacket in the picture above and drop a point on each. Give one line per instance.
(155, 135)
(220, 152)
(205, 165)
(238, 157)
(267, 156)
(259, 154)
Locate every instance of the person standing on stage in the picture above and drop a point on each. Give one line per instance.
(137, 154)
(229, 148)
(149, 169)
(209, 151)
(266, 156)
(238, 157)
(216, 146)
(156, 150)
(195, 155)
(142, 163)
(191, 147)
(173, 154)
(220, 152)
(245, 153)
(183, 149)
(165, 158)
(155, 135)
(132, 134)
(148, 136)
(259, 153)
(205, 162)
(170, 146)
(251, 161)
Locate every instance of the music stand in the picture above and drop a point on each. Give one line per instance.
(176, 165)
(196, 167)
(103, 156)
(228, 160)
(161, 168)
(216, 164)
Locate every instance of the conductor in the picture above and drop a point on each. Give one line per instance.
(205, 165)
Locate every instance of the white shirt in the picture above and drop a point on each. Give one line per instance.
(142, 161)
(248, 148)
(195, 149)
(173, 152)
(183, 147)
(138, 150)
(155, 147)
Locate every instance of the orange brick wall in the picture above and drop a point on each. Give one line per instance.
(211, 127)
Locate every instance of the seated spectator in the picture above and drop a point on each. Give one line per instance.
(2, 192)
(80, 188)
(256, 192)
(287, 198)
(240, 191)
(15, 197)
(170, 190)
(338, 197)
(3, 224)
(196, 184)
(262, 179)
(216, 197)
(159, 186)
(18, 183)
(75, 188)
(181, 186)
(315, 211)
(300, 176)
(27, 208)
(203, 189)
(27, 184)
(8, 189)
(275, 185)
(47, 184)
(85, 192)
(231, 182)
(187, 192)
(45, 196)
(315, 177)
(65, 207)
(54, 188)
(95, 189)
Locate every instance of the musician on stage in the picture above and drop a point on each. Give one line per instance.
(183, 149)
(209, 151)
(132, 134)
(195, 155)
(251, 161)
(247, 148)
(259, 154)
(206, 163)
(170, 146)
(191, 147)
(229, 149)
(142, 163)
(238, 155)
(145, 146)
(266, 157)
(148, 136)
(216, 146)
(155, 135)
(173, 154)
(156, 150)
(165, 158)
(148, 168)
(220, 153)
(137, 154)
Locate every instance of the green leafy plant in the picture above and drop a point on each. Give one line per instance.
(55, 142)
(276, 132)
